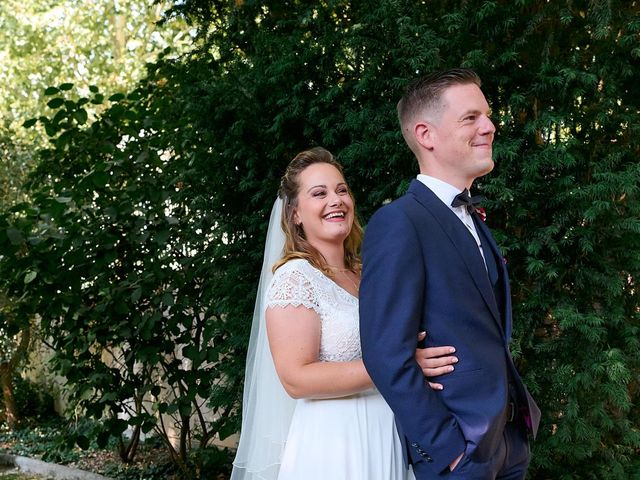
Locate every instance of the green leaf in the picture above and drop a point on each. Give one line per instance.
(167, 300)
(15, 236)
(103, 438)
(55, 102)
(97, 99)
(66, 86)
(93, 89)
(191, 352)
(30, 123)
(162, 237)
(136, 294)
(51, 129)
(83, 442)
(117, 426)
(59, 116)
(116, 97)
(148, 425)
(63, 140)
(100, 179)
(81, 116)
(30, 277)
(51, 91)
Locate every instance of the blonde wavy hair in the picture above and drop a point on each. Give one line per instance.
(296, 244)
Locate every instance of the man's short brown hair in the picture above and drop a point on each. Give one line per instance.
(425, 95)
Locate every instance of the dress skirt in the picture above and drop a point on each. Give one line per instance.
(348, 438)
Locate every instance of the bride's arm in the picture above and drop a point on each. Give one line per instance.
(294, 339)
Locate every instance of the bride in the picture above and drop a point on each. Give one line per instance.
(316, 415)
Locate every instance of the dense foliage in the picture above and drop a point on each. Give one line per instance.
(144, 236)
(45, 43)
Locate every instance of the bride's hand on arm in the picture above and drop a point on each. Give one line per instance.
(435, 361)
(294, 340)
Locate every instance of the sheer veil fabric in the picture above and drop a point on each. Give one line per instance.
(266, 408)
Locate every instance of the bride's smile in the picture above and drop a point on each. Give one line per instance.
(325, 207)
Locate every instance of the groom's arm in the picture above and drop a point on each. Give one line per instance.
(391, 308)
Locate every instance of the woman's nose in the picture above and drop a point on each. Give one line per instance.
(335, 199)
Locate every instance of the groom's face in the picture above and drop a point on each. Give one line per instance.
(463, 133)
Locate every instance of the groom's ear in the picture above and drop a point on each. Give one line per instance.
(424, 133)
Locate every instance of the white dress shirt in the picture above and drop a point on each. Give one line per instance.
(446, 193)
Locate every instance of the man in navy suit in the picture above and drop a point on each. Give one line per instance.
(431, 264)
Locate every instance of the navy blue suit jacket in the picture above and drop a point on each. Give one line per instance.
(422, 270)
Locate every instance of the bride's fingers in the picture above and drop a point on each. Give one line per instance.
(436, 386)
(435, 371)
(431, 352)
(437, 362)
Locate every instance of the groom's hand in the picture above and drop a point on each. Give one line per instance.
(435, 361)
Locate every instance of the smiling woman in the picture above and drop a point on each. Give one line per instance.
(319, 218)
(324, 210)
(311, 319)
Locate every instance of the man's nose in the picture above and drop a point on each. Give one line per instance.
(487, 127)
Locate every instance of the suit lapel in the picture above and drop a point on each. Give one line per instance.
(503, 273)
(462, 241)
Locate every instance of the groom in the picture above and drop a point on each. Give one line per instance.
(430, 263)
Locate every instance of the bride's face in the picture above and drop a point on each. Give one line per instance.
(325, 206)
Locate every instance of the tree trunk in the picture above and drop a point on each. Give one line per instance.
(6, 383)
(7, 369)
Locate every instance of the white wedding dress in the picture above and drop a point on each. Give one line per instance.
(347, 438)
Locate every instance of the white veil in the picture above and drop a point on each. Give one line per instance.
(266, 407)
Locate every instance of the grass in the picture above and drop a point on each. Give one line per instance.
(53, 441)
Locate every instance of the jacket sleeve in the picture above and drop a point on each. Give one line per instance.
(391, 314)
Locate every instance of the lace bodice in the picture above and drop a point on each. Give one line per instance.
(298, 283)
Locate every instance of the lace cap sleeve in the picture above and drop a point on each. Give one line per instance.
(292, 285)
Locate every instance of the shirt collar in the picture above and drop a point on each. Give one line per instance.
(443, 190)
